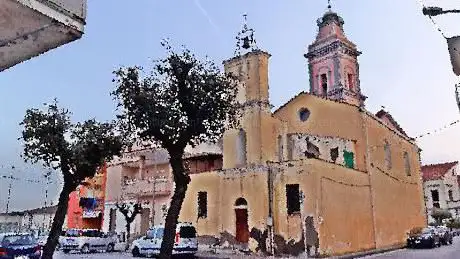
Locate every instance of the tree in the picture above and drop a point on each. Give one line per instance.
(183, 101)
(77, 150)
(439, 215)
(129, 210)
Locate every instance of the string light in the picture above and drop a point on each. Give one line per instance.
(439, 129)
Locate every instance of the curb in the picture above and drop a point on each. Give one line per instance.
(370, 252)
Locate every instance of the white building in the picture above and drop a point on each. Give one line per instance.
(441, 188)
(29, 28)
(37, 220)
(144, 175)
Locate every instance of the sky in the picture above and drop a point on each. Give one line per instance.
(404, 67)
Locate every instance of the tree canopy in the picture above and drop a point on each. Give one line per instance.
(181, 101)
(78, 150)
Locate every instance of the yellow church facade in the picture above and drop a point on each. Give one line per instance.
(320, 170)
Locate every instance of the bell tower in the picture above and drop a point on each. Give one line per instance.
(243, 145)
(333, 62)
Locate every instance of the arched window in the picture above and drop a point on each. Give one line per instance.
(241, 148)
(387, 151)
(407, 164)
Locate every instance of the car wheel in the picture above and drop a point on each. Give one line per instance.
(110, 248)
(85, 249)
(66, 251)
(135, 252)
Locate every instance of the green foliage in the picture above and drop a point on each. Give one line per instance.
(182, 101)
(78, 150)
(440, 214)
(453, 223)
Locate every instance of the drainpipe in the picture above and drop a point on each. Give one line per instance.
(270, 209)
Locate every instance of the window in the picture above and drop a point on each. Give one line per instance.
(293, 198)
(334, 154)
(241, 148)
(435, 198)
(280, 148)
(348, 157)
(451, 195)
(202, 204)
(291, 147)
(387, 151)
(304, 114)
(453, 172)
(350, 81)
(324, 84)
(407, 164)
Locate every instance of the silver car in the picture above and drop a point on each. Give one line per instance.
(149, 245)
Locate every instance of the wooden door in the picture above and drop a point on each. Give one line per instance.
(242, 227)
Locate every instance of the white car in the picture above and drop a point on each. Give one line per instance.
(87, 240)
(150, 244)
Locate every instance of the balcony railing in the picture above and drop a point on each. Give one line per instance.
(135, 187)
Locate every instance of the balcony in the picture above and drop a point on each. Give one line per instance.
(138, 188)
(29, 28)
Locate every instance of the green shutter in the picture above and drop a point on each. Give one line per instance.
(349, 159)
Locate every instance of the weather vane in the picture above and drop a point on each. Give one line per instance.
(245, 38)
(329, 5)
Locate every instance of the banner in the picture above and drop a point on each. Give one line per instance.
(454, 51)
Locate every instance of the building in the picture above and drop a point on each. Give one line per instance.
(37, 220)
(143, 175)
(441, 186)
(86, 204)
(32, 27)
(321, 164)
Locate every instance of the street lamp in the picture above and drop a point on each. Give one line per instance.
(453, 44)
(435, 11)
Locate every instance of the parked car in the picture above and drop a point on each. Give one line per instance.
(185, 241)
(445, 235)
(87, 240)
(425, 238)
(19, 245)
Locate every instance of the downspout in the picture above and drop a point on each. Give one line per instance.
(270, 208)
(368, 167)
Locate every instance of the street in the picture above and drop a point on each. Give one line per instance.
(445, 252)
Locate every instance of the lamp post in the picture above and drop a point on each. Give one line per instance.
(435, 11)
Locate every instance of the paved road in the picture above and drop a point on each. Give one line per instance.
(444, 252)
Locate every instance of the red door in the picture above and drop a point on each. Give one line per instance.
(242, 227)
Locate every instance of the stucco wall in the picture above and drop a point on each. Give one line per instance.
(398, 197)
(327, 118)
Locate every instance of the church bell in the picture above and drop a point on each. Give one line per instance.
(246, 43)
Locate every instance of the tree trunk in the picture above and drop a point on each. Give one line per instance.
(58, 221)
(128, 234)
(181, 180)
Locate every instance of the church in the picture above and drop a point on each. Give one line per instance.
(320, 170)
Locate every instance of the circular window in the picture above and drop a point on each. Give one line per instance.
(304, 113)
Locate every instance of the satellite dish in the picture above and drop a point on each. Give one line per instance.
(454, 50)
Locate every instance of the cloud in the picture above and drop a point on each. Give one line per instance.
(205, 13)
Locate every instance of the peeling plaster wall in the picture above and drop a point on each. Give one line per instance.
(398, 198)
(301, 143)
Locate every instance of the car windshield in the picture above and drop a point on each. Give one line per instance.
(427, 231)
(18, 240)
(72, 233)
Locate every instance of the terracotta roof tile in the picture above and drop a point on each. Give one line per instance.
(436, 171)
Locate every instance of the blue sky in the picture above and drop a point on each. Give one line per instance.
(404, 66)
